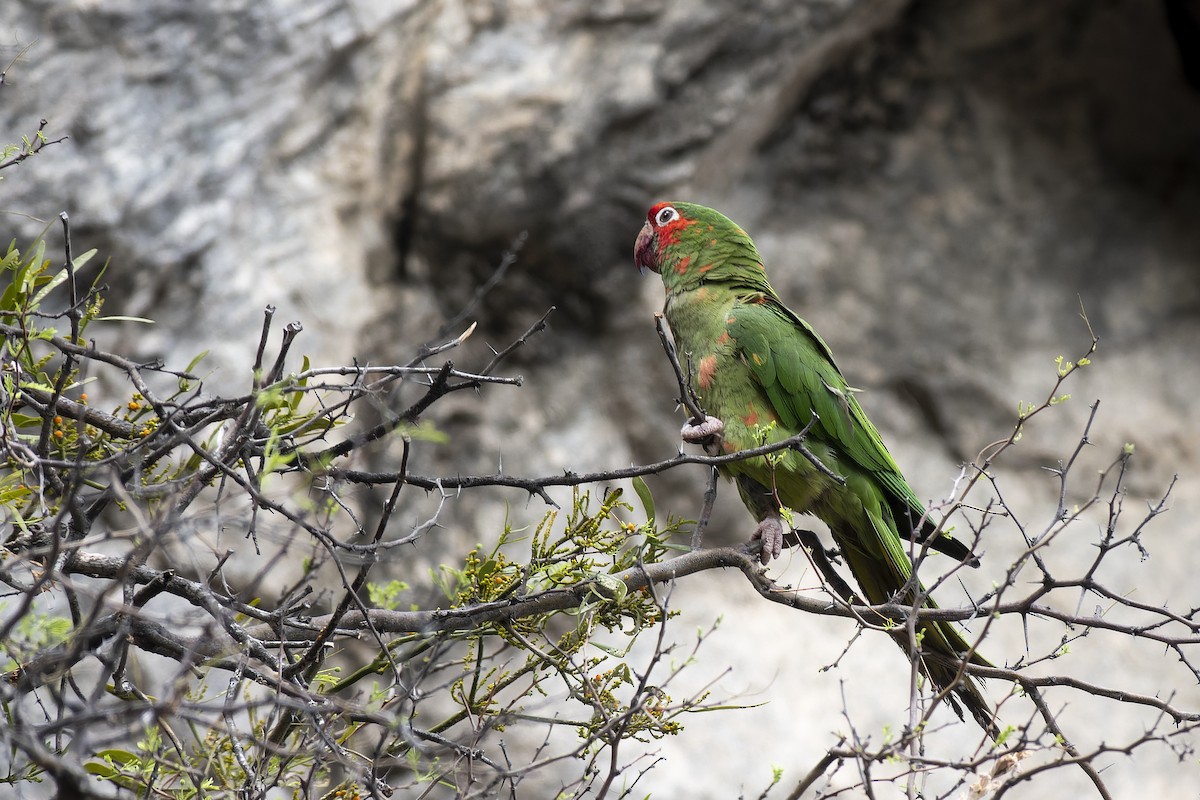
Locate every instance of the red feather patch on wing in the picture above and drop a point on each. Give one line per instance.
(708, 367)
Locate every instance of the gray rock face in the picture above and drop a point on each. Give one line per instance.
(936, 187)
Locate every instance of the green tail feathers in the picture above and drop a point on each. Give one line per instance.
(941, 645)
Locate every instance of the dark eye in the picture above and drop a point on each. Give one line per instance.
(665, 215)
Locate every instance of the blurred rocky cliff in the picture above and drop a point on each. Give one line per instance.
(936, 186)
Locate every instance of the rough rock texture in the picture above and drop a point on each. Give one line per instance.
(936, 186)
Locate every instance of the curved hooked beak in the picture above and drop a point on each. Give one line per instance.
(644, 255)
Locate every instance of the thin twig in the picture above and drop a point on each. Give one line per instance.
(687, 395)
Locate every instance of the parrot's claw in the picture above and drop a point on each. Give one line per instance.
(703, 433)
(770, 530)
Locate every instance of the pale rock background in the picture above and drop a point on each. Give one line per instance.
(936, 186)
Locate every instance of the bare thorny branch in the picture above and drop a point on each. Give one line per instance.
(154, 465)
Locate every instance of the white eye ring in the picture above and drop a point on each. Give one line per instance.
(665, 215)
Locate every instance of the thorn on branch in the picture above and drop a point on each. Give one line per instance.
(427, 351)
(535, 328)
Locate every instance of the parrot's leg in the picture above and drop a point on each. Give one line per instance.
(763, 504)
(707, 434)
(770, 530)
(701, 434)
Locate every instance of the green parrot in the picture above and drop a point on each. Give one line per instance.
(762, 374)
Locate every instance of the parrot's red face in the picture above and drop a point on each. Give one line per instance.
(663, 224)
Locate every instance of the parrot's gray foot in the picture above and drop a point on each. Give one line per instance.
(770, 530)
(704, 433)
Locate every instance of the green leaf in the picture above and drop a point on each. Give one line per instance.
(643, 493)
(271, 398)
(613, 586)
(424, 432)
(101, 770)
(195, 362)
(612, 650)
(387, 596)
(22, 279)
(26, 420)
(123, 757)
(788, 515)
(83, 258)
(58, 629)
(123, 318)
(297, 396)
(49, 287)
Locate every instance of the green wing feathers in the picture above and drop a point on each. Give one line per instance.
(795, 370)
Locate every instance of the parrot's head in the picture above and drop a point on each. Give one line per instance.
(662, 234)
(647, 247)
(688, 244)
